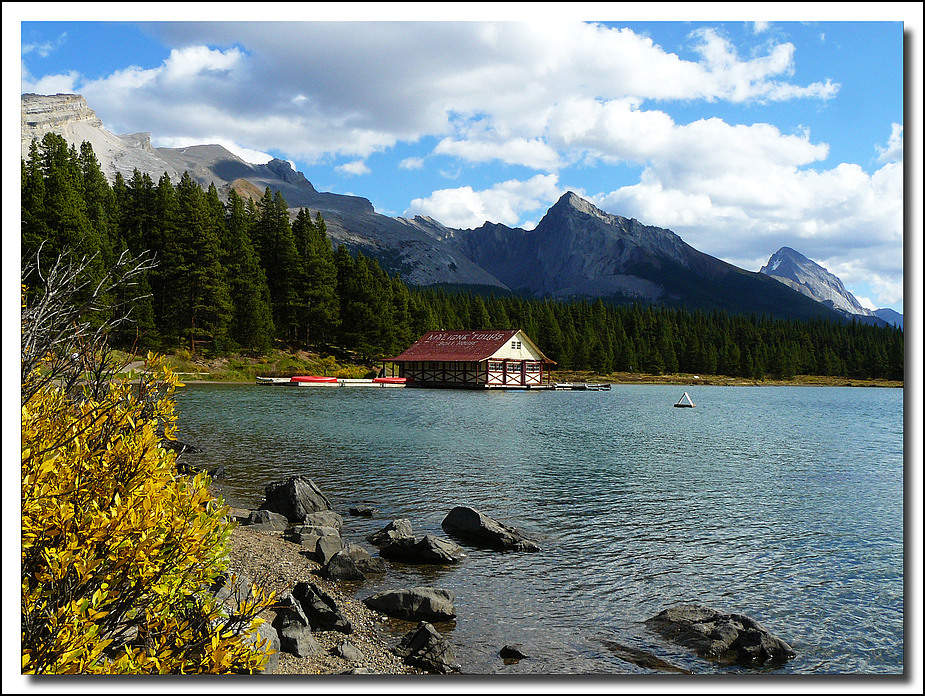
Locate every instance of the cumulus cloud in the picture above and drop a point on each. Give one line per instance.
(505, 202)
(893, 150)
(63, 83)
(317, 89)
(355, 168)
(412, 163)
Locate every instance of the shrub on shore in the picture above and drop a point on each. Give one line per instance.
(119, 550)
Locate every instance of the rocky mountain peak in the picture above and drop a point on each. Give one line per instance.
(809, 278)
(43, 114)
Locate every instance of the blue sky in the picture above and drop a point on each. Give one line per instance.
(740, 136)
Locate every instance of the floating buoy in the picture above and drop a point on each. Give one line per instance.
(685, 402)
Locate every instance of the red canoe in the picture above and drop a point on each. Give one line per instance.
(390, 380)
(313, 378)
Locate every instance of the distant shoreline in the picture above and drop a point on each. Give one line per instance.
(677, 380)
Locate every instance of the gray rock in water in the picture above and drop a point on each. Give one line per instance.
(363, 511)
(512, 652)
(292, 625)
(295, 498)
(426, 549)
(724, 638)
(415, 604)
(320, 609)
(266, 521)
(394, 530)
(472, 526)
(352, 562)
(424, 648)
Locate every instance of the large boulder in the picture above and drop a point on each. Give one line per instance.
(415, 604)
(352, 562)
(724, 638)
(266, 521)
(424, 648)
(267, 636)
(472, 526)
(324, 518)
(320, 609)
(426, 549)
(294, 498)
(394, 530)
(293, 628)
(320, 543)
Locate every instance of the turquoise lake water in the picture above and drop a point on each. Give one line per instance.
(783, 503)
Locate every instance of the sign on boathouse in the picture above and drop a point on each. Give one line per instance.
(477, 359)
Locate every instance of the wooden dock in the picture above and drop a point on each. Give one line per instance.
(286, 381)
(582, 386)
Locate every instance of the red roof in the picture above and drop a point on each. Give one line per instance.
(457, 345)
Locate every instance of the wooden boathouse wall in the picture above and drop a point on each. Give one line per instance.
(474, 359)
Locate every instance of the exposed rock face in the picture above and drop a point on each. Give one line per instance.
(45, 114)
(809, 278)
(470, 525)
(724, 638)
(415, 604)
(426, 649)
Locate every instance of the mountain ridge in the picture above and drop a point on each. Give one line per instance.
(576, 250)
(809, 278)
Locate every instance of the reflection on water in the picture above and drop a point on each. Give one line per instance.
(782, 503)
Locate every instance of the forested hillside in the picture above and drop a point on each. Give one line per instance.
(240, 276)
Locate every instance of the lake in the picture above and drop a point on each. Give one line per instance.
(782, 503)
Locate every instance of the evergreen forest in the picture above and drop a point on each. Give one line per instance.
(242, 276)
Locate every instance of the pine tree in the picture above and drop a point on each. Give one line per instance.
(251, 326)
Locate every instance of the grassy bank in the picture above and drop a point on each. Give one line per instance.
(244, 369)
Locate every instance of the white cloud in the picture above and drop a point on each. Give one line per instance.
(893, 152)
(317, 89)
(355, 168)
(505, 202)
(45, 48)
(63, 83)
(411, 163)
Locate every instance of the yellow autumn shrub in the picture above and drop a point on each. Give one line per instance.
(118, 549)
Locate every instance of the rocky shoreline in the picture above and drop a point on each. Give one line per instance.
(292, 546)
(277, 565)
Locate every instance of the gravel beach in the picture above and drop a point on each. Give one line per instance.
(277, 565)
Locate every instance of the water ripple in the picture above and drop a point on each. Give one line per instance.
(775, 502)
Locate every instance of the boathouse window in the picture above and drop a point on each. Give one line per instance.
(515, 345)
(532, 367)
(513, 367)
(495, 366)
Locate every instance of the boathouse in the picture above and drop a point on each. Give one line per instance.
(474, 359)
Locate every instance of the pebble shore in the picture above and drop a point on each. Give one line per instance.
(276, 564)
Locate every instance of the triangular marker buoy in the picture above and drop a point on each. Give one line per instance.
(682, 404)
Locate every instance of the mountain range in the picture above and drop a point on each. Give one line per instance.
(575, 251)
